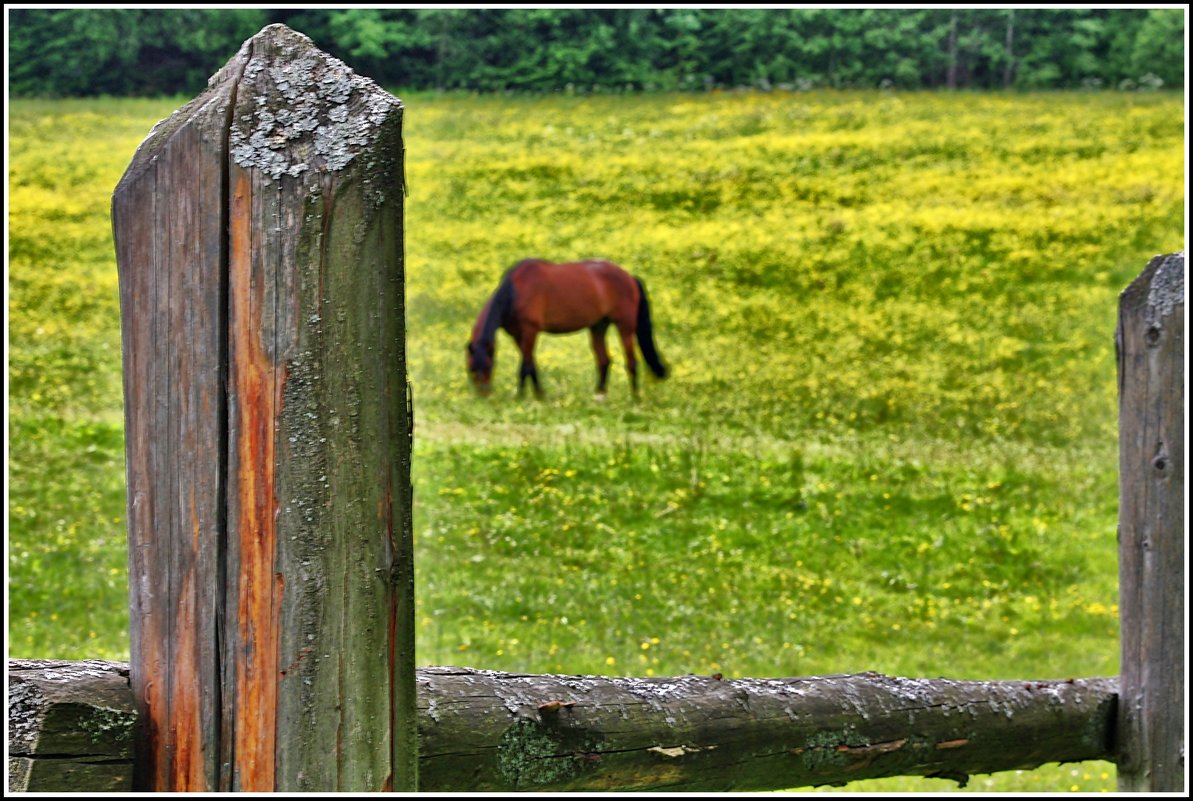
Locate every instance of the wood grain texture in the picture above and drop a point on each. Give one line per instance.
(167, 214)
(325, 355)
(484, 731)
(1151, 373)
(259, 237)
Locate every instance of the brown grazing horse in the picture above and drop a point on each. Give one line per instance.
(537, 296)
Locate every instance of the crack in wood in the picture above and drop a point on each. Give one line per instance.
(90, 759)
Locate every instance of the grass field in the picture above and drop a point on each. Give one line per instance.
(888, 439)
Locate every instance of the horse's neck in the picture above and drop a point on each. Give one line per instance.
(487, 323)
(497, 310)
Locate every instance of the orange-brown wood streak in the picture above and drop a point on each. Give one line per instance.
(254, 384)
(186, 726)
(156, 726)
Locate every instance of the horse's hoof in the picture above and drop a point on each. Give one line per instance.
(600, 396)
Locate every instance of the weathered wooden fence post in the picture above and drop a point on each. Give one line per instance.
(1151, 380)
(259, 241)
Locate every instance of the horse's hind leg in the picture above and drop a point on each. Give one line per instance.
(631, 361)
(601, 352)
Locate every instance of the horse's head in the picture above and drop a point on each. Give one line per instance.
(480, 366)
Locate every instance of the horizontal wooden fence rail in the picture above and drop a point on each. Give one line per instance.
(487, 731)
(71, 728)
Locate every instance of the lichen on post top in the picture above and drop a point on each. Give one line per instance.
(299, 107)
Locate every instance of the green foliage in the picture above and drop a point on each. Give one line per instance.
(148, 51)
(1159, 47)
(888, 441)
(81, 52)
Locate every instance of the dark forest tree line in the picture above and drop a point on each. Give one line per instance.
(79, 52)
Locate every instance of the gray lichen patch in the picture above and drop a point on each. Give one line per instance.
(1167, 289)
(656, 691)
(24, 717)
(530, 755)
(64, 672)
(299, 108)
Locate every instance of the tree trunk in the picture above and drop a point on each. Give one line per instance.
(259, 240)
(484, 731)
(1151, 374)
(1008, 72)
(950, 80)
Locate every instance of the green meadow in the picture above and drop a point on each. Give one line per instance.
(888, 440)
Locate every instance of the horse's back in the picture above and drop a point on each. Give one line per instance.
(600, 269)
(564, 297)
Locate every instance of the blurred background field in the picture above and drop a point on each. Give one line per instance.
(888, 441)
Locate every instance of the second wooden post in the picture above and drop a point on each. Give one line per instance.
(1151, 375)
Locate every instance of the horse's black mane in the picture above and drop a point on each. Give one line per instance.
(500, 309)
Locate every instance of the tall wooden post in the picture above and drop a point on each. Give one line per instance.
(259, 240)
(1151, 375)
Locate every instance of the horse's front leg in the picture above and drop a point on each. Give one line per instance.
(528, 370)
(601, 352)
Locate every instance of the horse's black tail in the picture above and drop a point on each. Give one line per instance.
(646, 335)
